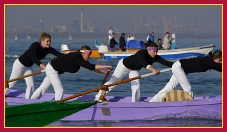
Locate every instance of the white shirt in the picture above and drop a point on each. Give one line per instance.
(131, 38)
(103, 48)
(110, 34)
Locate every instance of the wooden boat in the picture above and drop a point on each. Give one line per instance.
(117, 109)
(131, 46)
(173, 54)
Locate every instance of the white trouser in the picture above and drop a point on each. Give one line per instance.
(109, 38)
(178, 76)
(18, 70)
(119, 73)
(52, 77)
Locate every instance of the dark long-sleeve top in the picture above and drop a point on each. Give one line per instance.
(122, 42)
(113, 42)
(199, 64)
(71, 62)
(142, 59)
(35, 53)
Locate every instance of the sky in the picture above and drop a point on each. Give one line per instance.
(205, 18)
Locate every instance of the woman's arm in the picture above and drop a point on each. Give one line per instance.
(99, 68)
(155, 71)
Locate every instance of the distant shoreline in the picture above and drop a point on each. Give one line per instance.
(93, 35)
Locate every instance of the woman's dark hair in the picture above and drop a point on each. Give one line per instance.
(150, 43)
(216, 54)
(84, 47)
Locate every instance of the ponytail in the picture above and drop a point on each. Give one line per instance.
(43, 36)
(216, 54)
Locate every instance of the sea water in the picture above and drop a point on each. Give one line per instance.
(203, 84)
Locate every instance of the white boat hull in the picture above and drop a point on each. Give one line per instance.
(174, 54)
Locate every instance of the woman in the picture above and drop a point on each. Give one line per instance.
(23, 65)
(184, 66)
(131, 65)
(70, 62)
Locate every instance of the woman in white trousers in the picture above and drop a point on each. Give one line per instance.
(23, 65)
(183, 67)
(131, 65)
(71, 63)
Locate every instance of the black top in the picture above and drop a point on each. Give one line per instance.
(122, 42)
(199, 64)
(113, 43)
(71, 62)
(143, 59)
(35, 53)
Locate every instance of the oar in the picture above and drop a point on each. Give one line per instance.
(21, 77)
(109, 85)
(104, 79)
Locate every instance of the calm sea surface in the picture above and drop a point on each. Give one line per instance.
(203, 84)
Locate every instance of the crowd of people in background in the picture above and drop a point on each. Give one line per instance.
(113, 45)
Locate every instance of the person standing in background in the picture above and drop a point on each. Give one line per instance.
(113, 43)
(159, 43)
(167, 41)
(122, 42)
(150, 36)
(111, 32)
(129, 37)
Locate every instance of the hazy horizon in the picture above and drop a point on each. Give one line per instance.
(123, 18)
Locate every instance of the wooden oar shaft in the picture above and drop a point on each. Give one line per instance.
(79, 94)
(107, 74)
(21, 77)
(96, 89)
(109, 85)
(149, 74)
(123, 81)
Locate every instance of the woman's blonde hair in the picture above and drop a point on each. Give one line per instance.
(43, 36)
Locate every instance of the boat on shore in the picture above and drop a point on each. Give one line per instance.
(116, 110)
(173, 54)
